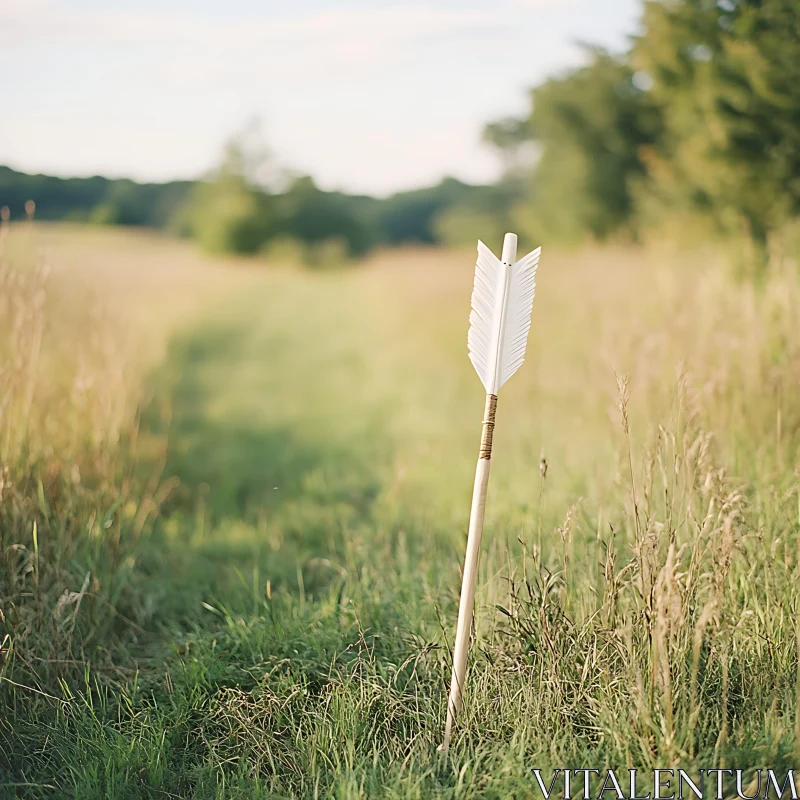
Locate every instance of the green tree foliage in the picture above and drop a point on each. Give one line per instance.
(315, 218)
(700, 118)
(232, 210)
(411, 216)
(591, 126)
(120, 202)
(226, 216)
(227, 212)
(478, 212)
(727, 75)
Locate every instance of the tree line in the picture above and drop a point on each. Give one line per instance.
(230, 211)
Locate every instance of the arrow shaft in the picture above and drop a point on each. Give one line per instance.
(467, 603)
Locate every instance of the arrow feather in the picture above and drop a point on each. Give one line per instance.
(502, 301)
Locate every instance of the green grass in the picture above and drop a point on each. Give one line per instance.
(251, 592)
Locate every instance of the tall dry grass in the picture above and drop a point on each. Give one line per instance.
(72, 509)
(662, 628)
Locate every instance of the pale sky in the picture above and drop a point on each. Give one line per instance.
(365, 95)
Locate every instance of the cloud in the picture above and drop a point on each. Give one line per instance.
(544, 5)
(24, 22)
(191, 50)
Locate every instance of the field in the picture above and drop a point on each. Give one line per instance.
(235, 500)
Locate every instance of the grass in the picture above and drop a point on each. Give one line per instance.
(234, 506)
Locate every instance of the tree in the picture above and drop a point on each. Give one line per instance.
(229, 211)
(727, 74)
(592, 125)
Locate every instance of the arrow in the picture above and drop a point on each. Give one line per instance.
(502, 300)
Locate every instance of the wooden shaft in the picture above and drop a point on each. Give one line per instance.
(467, 603)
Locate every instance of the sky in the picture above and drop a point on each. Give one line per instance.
(368, 96)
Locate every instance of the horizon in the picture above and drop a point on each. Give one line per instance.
(373, 195)
(360, 98)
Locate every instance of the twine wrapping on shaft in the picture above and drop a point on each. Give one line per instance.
(488, 426)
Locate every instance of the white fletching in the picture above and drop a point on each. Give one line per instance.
(502, 301)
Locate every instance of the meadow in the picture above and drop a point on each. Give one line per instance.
(235, 498)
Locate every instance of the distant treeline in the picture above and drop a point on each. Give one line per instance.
(121, 202)
(229, 212)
